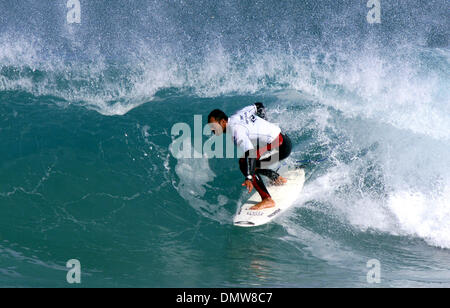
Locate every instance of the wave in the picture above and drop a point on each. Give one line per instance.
(373, 100)
(128, 53)
(384, 85)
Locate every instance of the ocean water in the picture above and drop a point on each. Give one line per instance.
(87, 171)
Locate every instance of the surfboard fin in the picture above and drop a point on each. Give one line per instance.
(244, 223)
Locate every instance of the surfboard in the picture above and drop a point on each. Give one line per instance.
(284, 197)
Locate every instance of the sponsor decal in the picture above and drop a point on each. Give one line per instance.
(274, 213)
(255, 213)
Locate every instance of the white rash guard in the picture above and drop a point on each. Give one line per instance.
(249, 130)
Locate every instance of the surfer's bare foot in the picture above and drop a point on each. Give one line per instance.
(280, 181)
(265, 204)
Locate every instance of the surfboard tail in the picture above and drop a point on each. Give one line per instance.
(284, 196)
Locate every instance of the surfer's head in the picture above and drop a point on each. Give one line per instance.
(217, 121)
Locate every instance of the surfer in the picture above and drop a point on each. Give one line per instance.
(257, 138)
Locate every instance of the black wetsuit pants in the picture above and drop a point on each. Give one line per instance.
(284, 145)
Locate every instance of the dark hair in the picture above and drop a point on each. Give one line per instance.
(218, 115)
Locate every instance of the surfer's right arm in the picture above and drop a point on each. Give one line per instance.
(248, 168)
(248, 162)
(249, 165)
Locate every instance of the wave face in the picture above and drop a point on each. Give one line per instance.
(87, 171)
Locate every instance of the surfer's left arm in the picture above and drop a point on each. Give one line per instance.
(260, 110)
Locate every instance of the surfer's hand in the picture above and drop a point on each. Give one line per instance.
(249, 185)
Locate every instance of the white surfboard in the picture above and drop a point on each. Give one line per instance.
(284, 197)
